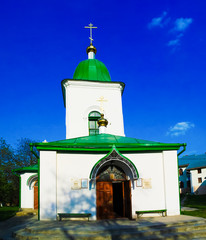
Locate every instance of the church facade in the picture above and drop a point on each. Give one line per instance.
(97, 169)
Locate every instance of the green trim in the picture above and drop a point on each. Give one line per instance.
(184, 148)
(108, 148)
(104, 143)
(19, 192)
(31, 149)
(32, 169)
(127, 160)
(39, 189)
(90, 175)
(113, 148)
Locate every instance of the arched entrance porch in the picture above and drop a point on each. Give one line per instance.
(113, 175)
(32, 182)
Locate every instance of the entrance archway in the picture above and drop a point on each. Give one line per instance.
(113, 175)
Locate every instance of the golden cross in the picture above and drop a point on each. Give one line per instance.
(101, 100)
(90, 27)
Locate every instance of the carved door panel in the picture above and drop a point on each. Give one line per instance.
(104, 200)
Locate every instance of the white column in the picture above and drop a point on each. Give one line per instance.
(171, 182)
(48, 198)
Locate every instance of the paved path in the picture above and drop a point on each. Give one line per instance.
(21, 222)
(15, 223)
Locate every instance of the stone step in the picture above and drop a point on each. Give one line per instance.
(191, 230)
(181, 227)
(122, 236)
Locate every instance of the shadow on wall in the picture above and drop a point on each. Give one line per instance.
(77, 201)
(201, 189)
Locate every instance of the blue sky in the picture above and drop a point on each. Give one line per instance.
(157, 48)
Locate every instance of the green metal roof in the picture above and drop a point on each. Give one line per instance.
(33, 168)
(104, 143)
(92, 69)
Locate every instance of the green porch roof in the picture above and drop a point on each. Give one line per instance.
(32, 169)
(104, 143)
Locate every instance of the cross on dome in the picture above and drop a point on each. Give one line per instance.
(101, 100)
(91, 26)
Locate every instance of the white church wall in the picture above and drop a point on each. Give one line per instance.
(48, 185)
(171, 183)
(71, 168)
(150, 196)
(83, 95)
(27, 194)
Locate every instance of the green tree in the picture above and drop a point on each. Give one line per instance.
(11, 159)
(24, 156)
(7, 163)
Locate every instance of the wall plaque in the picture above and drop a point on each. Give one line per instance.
(76, 184)
(139, 182)
(147, 183)
(84, 183)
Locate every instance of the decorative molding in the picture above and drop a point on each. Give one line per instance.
(114, 155)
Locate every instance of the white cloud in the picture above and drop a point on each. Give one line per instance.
(181, 24)
(177, 27)
(159, 21)
(180, 128)
(174, 42)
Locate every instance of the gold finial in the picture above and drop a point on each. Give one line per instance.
(101, 100)
(90, 27)
(102, 121)
(91, 48)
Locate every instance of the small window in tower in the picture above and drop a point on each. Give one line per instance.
(93, 126)
(199, 170)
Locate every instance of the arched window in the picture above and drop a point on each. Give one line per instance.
(93, 126)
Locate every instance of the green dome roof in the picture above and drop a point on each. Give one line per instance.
(92, 69)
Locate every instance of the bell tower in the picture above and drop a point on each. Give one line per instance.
(91, 92)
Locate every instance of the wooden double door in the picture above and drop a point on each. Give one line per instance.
(36, 195)
(113, 199)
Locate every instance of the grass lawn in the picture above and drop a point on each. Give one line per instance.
(8, 212)
(195, 201)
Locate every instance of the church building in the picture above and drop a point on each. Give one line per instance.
(97, 169)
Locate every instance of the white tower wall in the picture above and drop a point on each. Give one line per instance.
(82, 97)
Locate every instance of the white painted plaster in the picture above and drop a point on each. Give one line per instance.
(91, 55)
(59, 171)
(72, 167)
(149, 166)
(48, 185)
(81, 99)
(171, 177)
(102, 129)
(27, 194)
